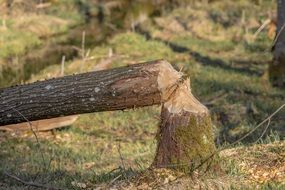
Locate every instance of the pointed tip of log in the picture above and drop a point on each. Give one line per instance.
(167, 79)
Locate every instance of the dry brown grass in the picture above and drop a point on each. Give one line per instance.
(41, 25)
(261, 163)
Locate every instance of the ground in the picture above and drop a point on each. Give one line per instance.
(227, 64)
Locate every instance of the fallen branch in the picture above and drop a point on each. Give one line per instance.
(265, 23)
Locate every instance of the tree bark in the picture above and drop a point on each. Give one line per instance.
(122, 88)
(185, 137)
(277, 67)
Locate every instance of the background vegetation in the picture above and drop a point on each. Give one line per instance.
(212, 41)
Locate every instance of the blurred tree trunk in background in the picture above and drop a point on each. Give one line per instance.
(277, 67)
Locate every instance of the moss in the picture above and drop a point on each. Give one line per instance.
(196, 140)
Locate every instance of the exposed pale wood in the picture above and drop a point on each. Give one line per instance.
(41, 125)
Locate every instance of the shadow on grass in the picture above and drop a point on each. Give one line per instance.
(62, 179)
(204, 59)
(66, 176)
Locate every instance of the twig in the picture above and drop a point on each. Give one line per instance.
(62, 65)
(82, 51)
(31, 184)
(110, 53)
(115, 179)
(265, 23)
(264, 131)
(121, 157)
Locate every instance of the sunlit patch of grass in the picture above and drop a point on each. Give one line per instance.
(262, 165)
(137, 47)
(13, 43)
(43, 26)
(67, 10)
(195, 44)
(25, 29)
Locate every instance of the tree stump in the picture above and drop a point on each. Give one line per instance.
(185, 136)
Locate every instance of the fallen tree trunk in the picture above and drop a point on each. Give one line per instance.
(115, 89)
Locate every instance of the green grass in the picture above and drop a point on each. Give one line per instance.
(14, 43)
(87, 151)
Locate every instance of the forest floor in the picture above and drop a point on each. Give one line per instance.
(227, 64)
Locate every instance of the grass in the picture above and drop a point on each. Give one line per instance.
(26, 30)
(29, 29)
(113, 149)
(13, 43)
(84, 153)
